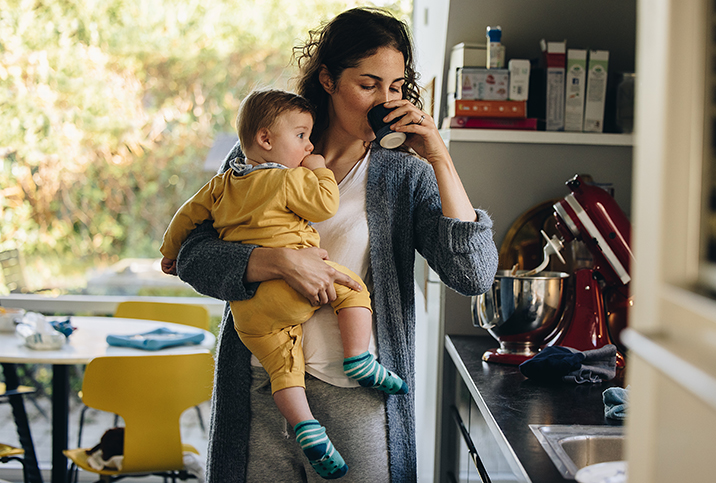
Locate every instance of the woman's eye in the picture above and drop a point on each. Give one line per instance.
(368, 87)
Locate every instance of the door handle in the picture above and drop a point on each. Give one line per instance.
(484, 477)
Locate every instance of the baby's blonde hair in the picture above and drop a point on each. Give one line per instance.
(262, 107)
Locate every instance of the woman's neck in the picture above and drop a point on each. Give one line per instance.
(342, 157)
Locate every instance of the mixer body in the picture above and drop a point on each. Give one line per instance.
(580, 320)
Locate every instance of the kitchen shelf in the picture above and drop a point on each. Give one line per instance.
(536, 137)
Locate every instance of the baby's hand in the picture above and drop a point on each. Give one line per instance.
(313, 161)
(169, 266)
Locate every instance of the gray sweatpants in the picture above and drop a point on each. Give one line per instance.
(355, 422)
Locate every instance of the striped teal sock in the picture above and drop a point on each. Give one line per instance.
(319, 450)
(366, 370)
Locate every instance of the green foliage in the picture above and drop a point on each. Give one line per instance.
(109, 107)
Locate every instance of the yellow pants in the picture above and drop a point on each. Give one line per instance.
(269, 324)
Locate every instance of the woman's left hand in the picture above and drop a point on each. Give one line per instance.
(423, 136)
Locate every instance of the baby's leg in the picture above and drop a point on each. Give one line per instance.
(292, 403)
(356, 324)
(359, 364)
(312, 437)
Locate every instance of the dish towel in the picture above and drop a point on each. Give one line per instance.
(557, 363)
(616, 402)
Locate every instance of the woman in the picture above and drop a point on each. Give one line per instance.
(392, 203)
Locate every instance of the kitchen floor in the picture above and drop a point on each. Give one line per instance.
(96, 423)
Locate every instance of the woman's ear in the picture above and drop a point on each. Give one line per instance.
(263, 139)
(326, 80)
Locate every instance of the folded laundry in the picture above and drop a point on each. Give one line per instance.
(616, 402)
(557, 363)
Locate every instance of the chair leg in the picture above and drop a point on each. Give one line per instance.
(32, 470)
(81, 425)
(201, 419)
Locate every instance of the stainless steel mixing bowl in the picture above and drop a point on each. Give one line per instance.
(521, 312)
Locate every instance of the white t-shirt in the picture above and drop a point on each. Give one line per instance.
(345, 237)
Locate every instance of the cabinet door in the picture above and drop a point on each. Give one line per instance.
(486, 446)
(461, 417)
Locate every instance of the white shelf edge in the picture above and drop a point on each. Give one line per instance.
(536, 137)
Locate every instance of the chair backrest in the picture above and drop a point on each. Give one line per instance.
(193, 315)
(150, 393)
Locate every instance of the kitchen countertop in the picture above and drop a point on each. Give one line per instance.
(513, 402)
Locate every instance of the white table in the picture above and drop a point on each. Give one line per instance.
(86, 343)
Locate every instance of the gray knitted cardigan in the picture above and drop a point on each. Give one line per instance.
(404, 215)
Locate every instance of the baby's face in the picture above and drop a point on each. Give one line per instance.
(290, 135)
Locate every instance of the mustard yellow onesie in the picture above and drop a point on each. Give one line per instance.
(271, 206)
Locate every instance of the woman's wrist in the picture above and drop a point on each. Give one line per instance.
(265, 264)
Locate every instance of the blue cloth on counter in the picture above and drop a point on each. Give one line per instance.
(616, 402)
(557, 363)
(552, 363)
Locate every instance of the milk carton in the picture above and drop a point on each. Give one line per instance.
(596, 90)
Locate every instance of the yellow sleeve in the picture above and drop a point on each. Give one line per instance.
(196, 210)
(312, 195)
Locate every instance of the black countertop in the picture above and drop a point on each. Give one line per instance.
(514, 402)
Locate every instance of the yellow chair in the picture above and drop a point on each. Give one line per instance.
(10, 453)
(193, 315)
(185, 314)
(150, 393)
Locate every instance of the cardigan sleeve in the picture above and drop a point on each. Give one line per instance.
(212, 266)
(462, 253)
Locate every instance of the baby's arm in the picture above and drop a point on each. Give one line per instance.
(191, 214)
(312, 195)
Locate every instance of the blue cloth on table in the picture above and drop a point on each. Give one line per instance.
(557, 363)
(616, 402)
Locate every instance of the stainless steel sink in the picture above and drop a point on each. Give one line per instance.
(572, 447)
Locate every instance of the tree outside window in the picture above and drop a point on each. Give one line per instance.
(108, 110)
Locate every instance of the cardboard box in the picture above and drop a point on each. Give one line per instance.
(554, 57)
(465, 55)
(519, 79)
(574, 89)
(596, 90)
(475, 108)
(482, 83)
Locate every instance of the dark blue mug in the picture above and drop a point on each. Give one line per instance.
(383, 134)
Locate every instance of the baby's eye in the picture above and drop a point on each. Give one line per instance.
(300, 136)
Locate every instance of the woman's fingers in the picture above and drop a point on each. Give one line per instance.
(313, 278)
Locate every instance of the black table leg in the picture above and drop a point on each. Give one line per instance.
(17, 403)
(60, 421)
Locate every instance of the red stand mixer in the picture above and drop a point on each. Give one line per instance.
(600, 293)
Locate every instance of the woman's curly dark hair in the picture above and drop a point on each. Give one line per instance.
(341, 44)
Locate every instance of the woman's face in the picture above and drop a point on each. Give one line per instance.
(377, 79)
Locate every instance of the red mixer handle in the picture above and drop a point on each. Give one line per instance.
(592, 215)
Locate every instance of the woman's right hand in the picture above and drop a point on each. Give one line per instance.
(303, 270)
